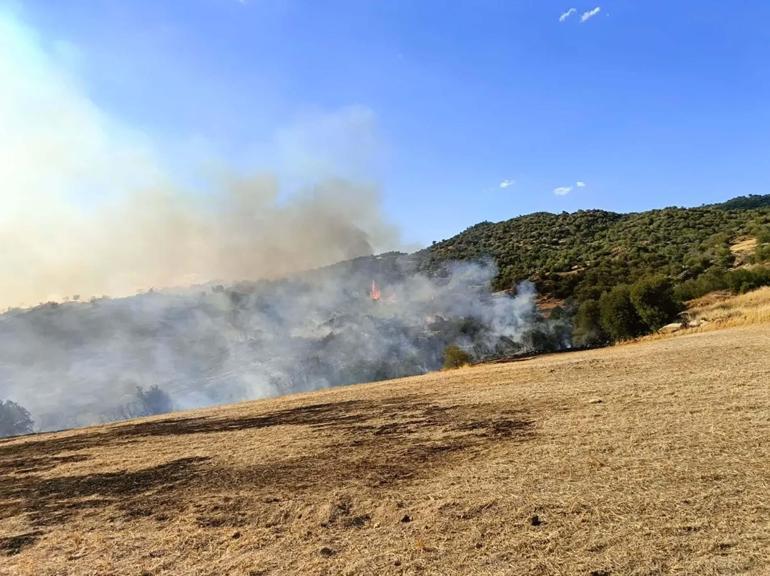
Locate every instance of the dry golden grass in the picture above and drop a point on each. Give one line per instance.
(652, 458)
(744, 246)
(719, 310)
(744, 309)
(743, 250)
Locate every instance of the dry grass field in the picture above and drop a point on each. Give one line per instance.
(719, 310)
(650, 458)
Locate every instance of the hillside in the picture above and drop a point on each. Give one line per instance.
(584, 253)
(376, 317)
(81, 363)
(647, 458)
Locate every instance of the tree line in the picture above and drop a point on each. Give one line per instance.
(15, 419)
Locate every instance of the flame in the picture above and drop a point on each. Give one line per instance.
(375, 293)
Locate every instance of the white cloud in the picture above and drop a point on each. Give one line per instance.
(564, 190)
(507, 183)
(590, 14)
(567, 14)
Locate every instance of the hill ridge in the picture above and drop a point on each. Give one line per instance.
(583, 253)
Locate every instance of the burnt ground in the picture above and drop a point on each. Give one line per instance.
(645, 459)
(388, 431)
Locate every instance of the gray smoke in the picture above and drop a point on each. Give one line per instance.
(91, 205)
(79, 363)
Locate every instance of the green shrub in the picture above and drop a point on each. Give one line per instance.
(736, 281)
(455, 357)
(653, 298)
(153, 401)
(149, 402)
(588, 326)
(618, 316)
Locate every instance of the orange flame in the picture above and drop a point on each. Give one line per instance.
(375, 293)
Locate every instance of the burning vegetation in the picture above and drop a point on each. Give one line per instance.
(372, 318)
(375, 293)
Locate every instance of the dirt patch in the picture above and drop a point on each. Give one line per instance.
(318, 415)
(29, 464)
(48, 501)
(15, 544)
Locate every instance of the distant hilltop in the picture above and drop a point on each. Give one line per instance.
(582, 254)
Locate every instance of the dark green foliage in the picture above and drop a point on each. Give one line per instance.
(585, 253)
(745, 202)
(654, 300)
(455, 357)
(669, 255)
(742, 280)
(762, 252)
(618, 315)
(588, 326)
(737, 281)
(14, 419)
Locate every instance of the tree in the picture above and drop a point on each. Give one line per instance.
(455, 357)
(588, 326)
(618, 316)
(653, 298)
(146, 403)
(14, 419)
(153, 401)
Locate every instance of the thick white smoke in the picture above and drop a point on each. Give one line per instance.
(79, 363)
(89, 206)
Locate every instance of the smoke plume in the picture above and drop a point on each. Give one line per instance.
(81, 362)
(89, 206)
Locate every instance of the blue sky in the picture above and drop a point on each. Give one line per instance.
(646, 104)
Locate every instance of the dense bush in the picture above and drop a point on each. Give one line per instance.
(14, 419)
(588, 326)
(654, 301)
(737, 281)
(455, 357)
(666, 256)
(618, 316)
(153, 401)
(147, 402)
(584, 254)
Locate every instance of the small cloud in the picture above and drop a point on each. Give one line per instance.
(580, 184)
(567, 14)
(562, 190)
(590, 14)
(507, 183)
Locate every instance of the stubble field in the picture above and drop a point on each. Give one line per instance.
(650, 458)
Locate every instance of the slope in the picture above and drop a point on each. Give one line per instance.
(647, 458)
(583, 253)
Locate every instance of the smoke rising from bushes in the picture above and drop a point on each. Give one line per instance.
(88, 207)
(80, 363)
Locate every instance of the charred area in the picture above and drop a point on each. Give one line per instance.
(376, 444)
